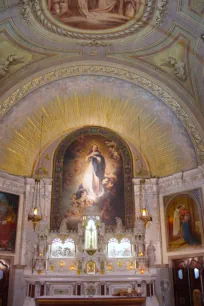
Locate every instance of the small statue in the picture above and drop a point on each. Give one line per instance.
(80, 230)
(101, 230)
(151, 250)
(119, 224)
(63, 225)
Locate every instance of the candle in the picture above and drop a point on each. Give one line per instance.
(129, 290)
(39, 271)
(110, 267)
(139, 290)
(35, 211)
(51, 268)
(144, 212)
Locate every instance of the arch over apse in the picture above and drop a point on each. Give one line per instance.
(181, 110)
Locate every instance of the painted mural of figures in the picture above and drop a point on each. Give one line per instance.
(92, 176)
(101, 13)
(94, 173)
(184, 223)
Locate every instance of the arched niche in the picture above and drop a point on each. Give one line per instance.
(79, 182)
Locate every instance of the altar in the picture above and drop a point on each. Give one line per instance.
(98, 264)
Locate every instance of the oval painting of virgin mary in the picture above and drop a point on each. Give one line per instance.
(95, 14)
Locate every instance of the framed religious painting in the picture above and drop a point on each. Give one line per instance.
(9, 206)
(184, 220)
(92, 167)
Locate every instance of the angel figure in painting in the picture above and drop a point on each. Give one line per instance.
(177, 221)
(94, 173)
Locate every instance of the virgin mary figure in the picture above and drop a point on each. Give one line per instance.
(94, 173)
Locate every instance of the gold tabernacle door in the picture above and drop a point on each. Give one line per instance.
(100, 301)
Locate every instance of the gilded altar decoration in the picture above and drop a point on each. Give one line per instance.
(184, 222)
(8, 221)
(93, 169)
(91, 267)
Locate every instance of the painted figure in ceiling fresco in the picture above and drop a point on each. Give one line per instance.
(94, 14)
(184, 223)
(92, 175)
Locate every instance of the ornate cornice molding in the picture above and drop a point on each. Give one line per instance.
(33, 10)
(108, 70)
(180, 182)
(11, 186)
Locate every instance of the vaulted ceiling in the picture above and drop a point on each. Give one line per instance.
(105, 64)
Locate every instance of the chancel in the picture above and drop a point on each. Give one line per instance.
(101, 152)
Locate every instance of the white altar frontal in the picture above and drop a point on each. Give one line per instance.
(91, 261)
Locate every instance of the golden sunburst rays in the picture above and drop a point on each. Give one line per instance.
(64, 114)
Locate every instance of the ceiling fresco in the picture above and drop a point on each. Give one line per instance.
(103, 19)
(13, 57)
(172, 58)
(102, 63)
(95, 15)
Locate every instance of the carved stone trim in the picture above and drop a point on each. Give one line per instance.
(12, 187)
(124, 74)
(95, 43)
(181, 181)
(34, 8)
